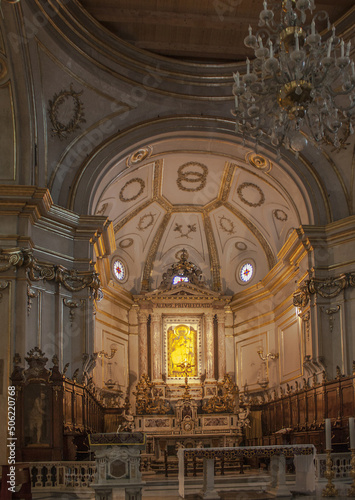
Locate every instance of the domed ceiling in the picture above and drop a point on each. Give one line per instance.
(224, 211)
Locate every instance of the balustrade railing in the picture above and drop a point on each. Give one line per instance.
(62, 474)
(341, 465)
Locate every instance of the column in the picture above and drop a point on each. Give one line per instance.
(143, 343)
(156, 350)
(209, 355)
(221, 319)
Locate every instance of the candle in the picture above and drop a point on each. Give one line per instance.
(330, 46)
(248, 66)
(313, 26)
(265, 5)
(260, 42)
(271, 49)
(352, 433)
(237, 81)
(250, 30)
(342, 48)
(328, 434)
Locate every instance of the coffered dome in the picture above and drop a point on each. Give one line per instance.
(226, 210)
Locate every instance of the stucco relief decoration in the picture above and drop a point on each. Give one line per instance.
(3, 286)
(191, 228)
(240, 245)
(141, 186)
(31, 294)
(72, 279)
(72, 304)
(125, 243)
(192, 176)
(67, 101)
(183, 269)
(327, 288)
(280, 215)
(226, 225)
(145, 221)
(258, 161)
(102, 209)
(138, 156)
(248, 188)
(12, 257)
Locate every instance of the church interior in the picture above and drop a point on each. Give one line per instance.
(164, 268)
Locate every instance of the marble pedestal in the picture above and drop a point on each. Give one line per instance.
(117, 458)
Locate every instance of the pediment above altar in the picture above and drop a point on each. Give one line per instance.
(184, 295)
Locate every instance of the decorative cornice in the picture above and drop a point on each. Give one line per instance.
(328, 288)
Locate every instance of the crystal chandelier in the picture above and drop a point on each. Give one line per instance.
(297, 81)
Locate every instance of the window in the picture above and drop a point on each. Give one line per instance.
(245, 272)
(179, 279)
(119, 270)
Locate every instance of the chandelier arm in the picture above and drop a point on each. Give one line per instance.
(342, 92)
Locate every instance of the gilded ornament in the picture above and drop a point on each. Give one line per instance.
(192, 176)
(148, 401)
(183, 269)
(214, 259)
(225, 400)
(128, 183)
(248, 185)
(62, 130)
(139, 155)
(258, 161)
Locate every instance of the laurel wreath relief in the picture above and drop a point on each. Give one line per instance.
(62, 130)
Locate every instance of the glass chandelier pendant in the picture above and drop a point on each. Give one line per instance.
(296, 82)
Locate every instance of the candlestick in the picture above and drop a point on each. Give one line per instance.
(329, 490)
(328, 434)
(352, 433)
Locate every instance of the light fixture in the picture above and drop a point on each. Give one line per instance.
(296, 82)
